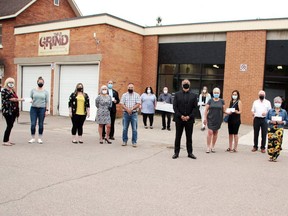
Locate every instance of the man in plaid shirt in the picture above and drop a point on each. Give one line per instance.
(130, 102)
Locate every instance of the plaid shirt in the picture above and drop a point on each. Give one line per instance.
(130, 100)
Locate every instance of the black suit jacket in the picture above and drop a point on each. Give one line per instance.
(116, 96)
(184, 104)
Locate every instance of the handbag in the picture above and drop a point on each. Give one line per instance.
(226, 117)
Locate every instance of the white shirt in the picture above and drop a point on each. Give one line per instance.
(260, 107)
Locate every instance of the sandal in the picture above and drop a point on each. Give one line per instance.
(7, 144)
(228, 150)
(234, 150)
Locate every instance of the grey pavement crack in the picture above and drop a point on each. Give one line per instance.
(81, 177)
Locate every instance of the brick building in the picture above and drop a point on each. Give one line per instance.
(27, 12)
(244, 55)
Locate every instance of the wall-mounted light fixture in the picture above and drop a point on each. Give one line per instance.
(215, 66)
(96, 39)
(279, 67)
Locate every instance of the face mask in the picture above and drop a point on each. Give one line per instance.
(10, 85)
(234, 97)
(277, 105)
(130, 91)
(104, 91)
(79, 89)
(165, 92)
(40, 85)
(148, 91)
(186, 86)
(216, 95)
(110, 86)
(261, 97)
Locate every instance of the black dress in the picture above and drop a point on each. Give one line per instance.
(234, 120)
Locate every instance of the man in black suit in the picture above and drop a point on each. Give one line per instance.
(115, 100)
(184, 103)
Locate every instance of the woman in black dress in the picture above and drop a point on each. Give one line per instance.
(234, 121)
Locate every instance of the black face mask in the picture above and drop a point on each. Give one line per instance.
(261, 97)
(79, 89)
(40, 85)
(186, 86)
(130, 91)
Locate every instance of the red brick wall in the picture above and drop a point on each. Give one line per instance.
(150, 62)
(244, 48)
(7, 52)
(40, 11)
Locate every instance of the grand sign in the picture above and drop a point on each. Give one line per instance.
(54, 43)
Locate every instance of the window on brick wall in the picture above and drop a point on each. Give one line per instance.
(56, 2)
(0, 36)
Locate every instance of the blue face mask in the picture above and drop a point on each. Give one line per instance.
(216, 95)
(110, 86)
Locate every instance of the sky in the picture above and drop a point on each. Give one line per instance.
(145, 13)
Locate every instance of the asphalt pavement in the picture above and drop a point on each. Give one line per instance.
(59, 178)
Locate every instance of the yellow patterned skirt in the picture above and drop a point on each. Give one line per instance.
(275, 137)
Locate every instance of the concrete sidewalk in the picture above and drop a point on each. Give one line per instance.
(61, 178)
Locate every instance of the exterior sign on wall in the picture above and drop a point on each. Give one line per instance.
(54, 43)
(243, 67)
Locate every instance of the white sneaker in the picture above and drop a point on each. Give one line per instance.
(40, 141)
(32, 140)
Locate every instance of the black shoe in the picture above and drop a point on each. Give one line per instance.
(163, 128)
(168, 129)
(175, 156)
(192, 156)
(111, 138)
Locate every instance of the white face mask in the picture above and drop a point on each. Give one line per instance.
(10, 85)
(165, 91)
(148, 91)
(277, 105)
(104, 91)
(234, 97)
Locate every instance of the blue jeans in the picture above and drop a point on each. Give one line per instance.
(37, 113)
(127, 119)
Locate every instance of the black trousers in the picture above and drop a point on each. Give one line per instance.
(164, 115)
(151, 118)
(257, 124)
(10, 119)
(180, 126)
(77, 124)
(112, 129)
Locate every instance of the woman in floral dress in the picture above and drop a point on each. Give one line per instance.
(103, 103)
(276, 119)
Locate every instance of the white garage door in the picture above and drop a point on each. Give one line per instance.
(30, 75)
(70, 75)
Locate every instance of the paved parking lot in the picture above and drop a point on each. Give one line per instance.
(61, 178)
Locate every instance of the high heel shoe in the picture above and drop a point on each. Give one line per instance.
(101, 141)
(106, 140)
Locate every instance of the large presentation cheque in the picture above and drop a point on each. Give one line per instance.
(161, 106)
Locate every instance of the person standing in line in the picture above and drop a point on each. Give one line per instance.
(115, 100)
(79, 109)
(184, 103)
(39, 109)
(234, 120)
(213, 118)
(259, 110)
(130, 102)
(204, 97)
(166, 98)
(148, 105)
(10, 108)
(103, 103)
(276, 119)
